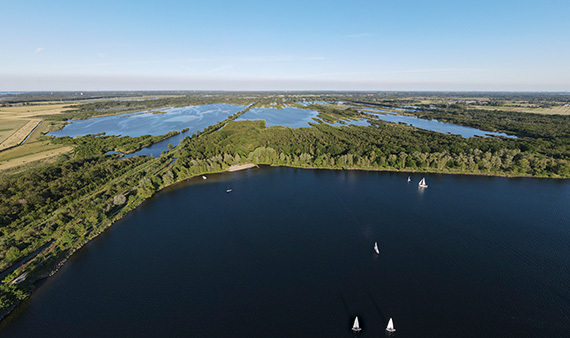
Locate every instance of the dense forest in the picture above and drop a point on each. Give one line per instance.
(47, 212)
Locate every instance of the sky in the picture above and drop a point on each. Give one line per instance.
(499, 45)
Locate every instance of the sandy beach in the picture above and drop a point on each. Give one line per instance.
(238, 167)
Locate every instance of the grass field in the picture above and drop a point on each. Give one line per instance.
(516, 106)
(30, 152)
(44, 128)
(26, 112)
(20, 134)
(8, 127)
(558, 110)
(17, 122)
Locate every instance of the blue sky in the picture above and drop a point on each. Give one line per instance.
(294, 45)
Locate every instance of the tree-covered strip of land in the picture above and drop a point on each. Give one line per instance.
(94, 145)
(46, 213)
(384, 146)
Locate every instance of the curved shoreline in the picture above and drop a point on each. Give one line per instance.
(55, 268)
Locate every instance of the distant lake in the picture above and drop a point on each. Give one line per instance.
(287, 116)
(435, 125)
(291, 117)
(289, 253)
(195, 118)
(158, 122)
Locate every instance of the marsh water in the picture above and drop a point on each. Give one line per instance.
(289, 253)
(437, 126)
(157, 122)
(285, 116)
(196, 118)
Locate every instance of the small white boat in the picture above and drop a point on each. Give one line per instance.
(390, 327)
(422, 183)
(376, 247)
(204, 177)
(409, 179)
(229, 190)
(356, 327)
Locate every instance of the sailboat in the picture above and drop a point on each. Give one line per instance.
(409, 179)
(203, 177)
(390, 327)
(356, 327)
(422, 183)
(376, 247)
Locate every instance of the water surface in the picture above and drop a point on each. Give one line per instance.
(287, 116)
(151, 123)
(289, 253)
(437, 126)
(195, 118)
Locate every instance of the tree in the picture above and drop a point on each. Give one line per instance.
(119, 199)
(13, 253)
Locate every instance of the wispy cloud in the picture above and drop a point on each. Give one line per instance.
(39, 49)
(221, 68)
(434, 70)
(359, 35)
(130, 63)
(281, 58)
(186, 68)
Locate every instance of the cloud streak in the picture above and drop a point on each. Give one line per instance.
(359, 35)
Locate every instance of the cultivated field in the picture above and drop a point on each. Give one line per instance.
(28, 153)
(20, 134)
(31, 111)
(17, 122)
(8, 126)
(558, 110)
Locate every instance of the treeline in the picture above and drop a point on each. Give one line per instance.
(385, 146)
(62, 205)
(27, 199)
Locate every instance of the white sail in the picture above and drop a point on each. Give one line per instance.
(409, 179)
(356, 326)
(376, 247)
(422, 183)
(390, 327)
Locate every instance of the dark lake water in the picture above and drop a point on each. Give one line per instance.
(289, 253)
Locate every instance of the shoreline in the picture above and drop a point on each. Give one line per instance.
(55, 268)
(238, 167)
